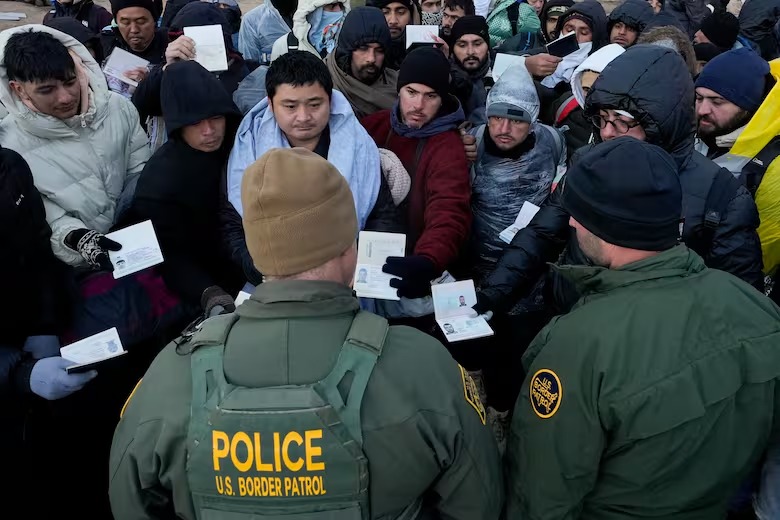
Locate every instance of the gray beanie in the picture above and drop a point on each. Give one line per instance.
(514, 96)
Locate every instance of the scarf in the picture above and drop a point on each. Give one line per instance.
(325, 27)
(441, 123)
(432, 18)
(566, 67)
(365, 99)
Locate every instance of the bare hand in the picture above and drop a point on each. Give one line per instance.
(469, 145)
(138, 74)
(444, 47)
(182, 48)
(542, 65)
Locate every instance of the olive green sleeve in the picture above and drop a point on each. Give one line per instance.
(556, 441)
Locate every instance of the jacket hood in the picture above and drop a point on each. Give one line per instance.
(653, 84)
(552, 3)
(362, 25)
(595, 62)
(634, 13)
(515, 89)
(593, 11)
(302, 16)
(664, 19)
(40, 124)
(190, 94)
(172, 8)
(197, 14)
(82, 33)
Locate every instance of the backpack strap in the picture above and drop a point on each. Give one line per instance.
(753, 172)
(357, 359)
(566, 108)
(292, 42)
(513, 13)
(723, 188)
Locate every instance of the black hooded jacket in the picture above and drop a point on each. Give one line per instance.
(653, 84)
(179, 186)
(96, 17)
(634, 13)
(154, 53)
(757, 21)
(84, 35)
(689, 13)
(146, 97)
(546, 14)
(362, 26)
(593, 11)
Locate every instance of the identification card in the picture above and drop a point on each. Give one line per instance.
(140, 249)
(373, 250)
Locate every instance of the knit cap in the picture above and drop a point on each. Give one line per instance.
(427, 66)
(722, 29)
(470, 25)
(738, 76)
(118, 5)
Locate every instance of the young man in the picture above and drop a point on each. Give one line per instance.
(454, 10)
(358, 65)
(431, 12)
(627, 393)
(83, 143)
(627, 22)
(316, 27)
(551, 12)
(306, 359)
(422, 131)
(303, 110)
(398, 14)
(471, 58)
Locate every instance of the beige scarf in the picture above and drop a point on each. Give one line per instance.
(365, 99)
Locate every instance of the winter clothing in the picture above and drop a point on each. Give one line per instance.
(633, 13)
(179, 187)
(689, 13)
(149, 5)
(615, 375)
(96, 17)
(93, 247)
(514, 96)
(50, 380)
(501, 27)
(592, 13)
(706, 52)
(85, 168)
(85, 36)
(673, 38)
(474, 105)
(307, 17)
(356, 156)
(665, 19)
(439, 216)
(172, 8)
(633, 82)
(260, 28)
(739, 76)
(757, 21)
(722, 29)
(414, 403)
(637, 211)
(427, 66)
(554, 8)
(596, 62)
(475, 25)
(154, 53)
(298, 212)
(363, 25)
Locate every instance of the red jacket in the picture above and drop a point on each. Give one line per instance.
(440, 199)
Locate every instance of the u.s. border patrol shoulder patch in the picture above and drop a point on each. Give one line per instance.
(546, 393)
(472, 394)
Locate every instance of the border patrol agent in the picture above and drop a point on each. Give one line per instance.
(655, 396)
(299, 405)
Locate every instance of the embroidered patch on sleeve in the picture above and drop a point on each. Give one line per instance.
(472, 394)
(546, 393)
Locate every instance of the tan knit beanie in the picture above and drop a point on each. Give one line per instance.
(298, 212)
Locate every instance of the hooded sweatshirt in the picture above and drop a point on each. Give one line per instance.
(262, 26)
(689, 13)
(179, 187)
(96, 17)
(634, 13)
(85, 36)
(85, 167)
(546, 14)
(353, 152)
(596, 63)
(308, 15)
(593, 11)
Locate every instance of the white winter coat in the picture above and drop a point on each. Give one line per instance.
(81, 166)
(302, 26)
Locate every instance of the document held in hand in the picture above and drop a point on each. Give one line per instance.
(452, 308)
(503, 62)
(209, 46)
(120, 62)
(373, 250)
(88, 353)
(140, 249)
(421, 34)
(527, 213)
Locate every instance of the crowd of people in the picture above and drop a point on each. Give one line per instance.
(634, 365)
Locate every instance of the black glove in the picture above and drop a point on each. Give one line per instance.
(93, 247)
(216, 301)
(416, 273)
(483, 304)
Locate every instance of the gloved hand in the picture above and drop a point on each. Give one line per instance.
(49, 379)
(415, 272)
(42, 346)
(93, 246)
(216, 301)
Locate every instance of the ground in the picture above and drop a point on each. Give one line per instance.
(35, 14)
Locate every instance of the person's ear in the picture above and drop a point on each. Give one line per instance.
(18, 89)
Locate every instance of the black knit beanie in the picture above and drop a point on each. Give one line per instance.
(118, 5)
(381, 4)
(427, 66)
(626, 192)
(722, 29)
(470, 25)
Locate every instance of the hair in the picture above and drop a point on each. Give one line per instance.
(297, 68)
(672, 38)
(466, 5)
(37, 56)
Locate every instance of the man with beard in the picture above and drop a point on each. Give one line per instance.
(737, 129)
(454, 10)
(398, 14)
(627, 22)
(358, 64)
(471, 57)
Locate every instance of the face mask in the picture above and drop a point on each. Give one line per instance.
(432, 18)
(325, 31)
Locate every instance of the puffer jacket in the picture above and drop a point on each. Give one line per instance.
(639, 81)
(689, 13)
(633, 13)
(757, 21)
(86, 167)
(302, 26)
(260, 28)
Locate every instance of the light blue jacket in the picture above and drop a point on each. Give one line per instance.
(352, 152)
(260, 28)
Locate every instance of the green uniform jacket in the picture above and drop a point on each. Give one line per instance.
(653, 398)
(421, 435)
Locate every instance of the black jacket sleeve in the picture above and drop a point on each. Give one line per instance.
(526, 258)
(146, 97)
(233, 236)
(385, 217)
(15, 369)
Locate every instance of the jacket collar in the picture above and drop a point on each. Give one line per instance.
(674, 263)
(290, 298)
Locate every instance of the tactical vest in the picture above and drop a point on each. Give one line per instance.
(285, 452)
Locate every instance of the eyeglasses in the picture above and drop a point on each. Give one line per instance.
(620, 125)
